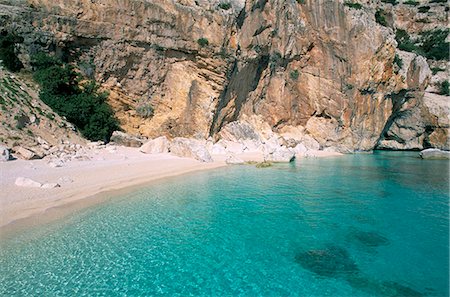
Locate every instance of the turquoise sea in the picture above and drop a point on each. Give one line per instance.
(358, 225)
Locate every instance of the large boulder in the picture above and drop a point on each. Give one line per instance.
(125, 139)
(158, 145)
(190, 148)
(4, 154)
(280, 155)
(26, 154)
(434, 154)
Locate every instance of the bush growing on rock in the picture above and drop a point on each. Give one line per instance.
(8, 54)
(203, 42)
(81, 103)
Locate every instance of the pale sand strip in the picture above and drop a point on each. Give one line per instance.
(106, 172)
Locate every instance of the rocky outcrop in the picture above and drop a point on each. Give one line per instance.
(421, 123)
(121, 138)
(434, 154)
(310, 75)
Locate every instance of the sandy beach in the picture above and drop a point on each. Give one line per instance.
(78, 180)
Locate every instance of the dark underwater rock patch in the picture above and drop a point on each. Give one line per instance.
(332, 261)
(386, 288)
(372, 239)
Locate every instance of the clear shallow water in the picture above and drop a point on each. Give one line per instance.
(363, 225)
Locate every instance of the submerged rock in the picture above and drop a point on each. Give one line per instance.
(371, 239)
(333, 261)
(434, 154)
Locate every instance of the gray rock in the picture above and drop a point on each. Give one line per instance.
(4, 154)
(125, 139)
(27, 182)
(237, 131)
(434, 154)
(190, 148)
(156, 146)
(280, 155)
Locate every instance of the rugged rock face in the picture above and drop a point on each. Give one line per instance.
(27, 125)
(321, 73)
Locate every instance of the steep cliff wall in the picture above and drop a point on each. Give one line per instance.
(188, 68)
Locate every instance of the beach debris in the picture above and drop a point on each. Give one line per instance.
(434, 153)
(156, 146)
(332, 261)
(56, 163)
(4, 154)
(50, 186)
(121, 138)
(190, 148)
(27, 182)
(233, 160)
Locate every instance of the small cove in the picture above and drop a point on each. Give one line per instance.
(358, 225)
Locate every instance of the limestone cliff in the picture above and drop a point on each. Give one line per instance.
(322, 68)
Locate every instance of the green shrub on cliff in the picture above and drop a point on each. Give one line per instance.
(445, 88)
(8, 54)
(81, 103)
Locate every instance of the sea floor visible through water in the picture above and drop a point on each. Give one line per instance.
(357, 225)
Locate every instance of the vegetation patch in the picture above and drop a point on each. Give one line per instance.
(203, 42)
(225, 6)
(353, 5)
(8, 53)
(411, 2)
(380, 18)
(445, 90)
(398, 61)
(294, 74)
(79, 102)
(145, 111)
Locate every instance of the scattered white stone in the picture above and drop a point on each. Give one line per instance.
(27, 182)
(56, 164)
(65, 180)
(4, 154)
(50, 186)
